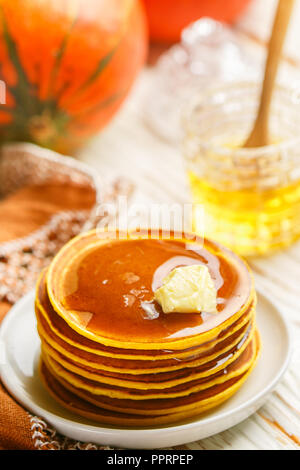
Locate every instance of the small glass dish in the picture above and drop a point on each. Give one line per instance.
(250, 197)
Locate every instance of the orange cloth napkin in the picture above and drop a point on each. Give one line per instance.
(21, 214)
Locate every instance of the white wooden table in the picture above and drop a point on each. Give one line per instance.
(128, 147)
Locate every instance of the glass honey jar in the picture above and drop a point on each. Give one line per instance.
(250, 197)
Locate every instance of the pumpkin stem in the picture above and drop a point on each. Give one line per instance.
(42, 127)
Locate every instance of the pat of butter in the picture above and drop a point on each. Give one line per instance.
(189, 289)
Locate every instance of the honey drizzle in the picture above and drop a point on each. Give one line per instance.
(131, 269)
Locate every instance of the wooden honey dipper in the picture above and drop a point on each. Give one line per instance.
(259, 135)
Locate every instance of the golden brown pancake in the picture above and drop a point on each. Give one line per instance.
(110, 353)
(74, 402)
(55, 327)
(89, 361)
(96, 388)
(100, 288)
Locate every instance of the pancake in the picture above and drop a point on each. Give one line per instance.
(127, 390)
(135, 367)
(162, 380)
(55, 327)
(110, 353)
(209, 362)
(74, 402)
(80, 293)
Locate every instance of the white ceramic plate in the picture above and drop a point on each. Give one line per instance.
(20, 347)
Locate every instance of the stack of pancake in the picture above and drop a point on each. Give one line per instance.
(109, 352)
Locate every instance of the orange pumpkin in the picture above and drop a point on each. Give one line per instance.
(67, 65)
(167, 18)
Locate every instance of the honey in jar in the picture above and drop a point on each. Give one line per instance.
(250, 197)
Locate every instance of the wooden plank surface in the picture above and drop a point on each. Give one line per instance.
(130, 148)
(257, 21)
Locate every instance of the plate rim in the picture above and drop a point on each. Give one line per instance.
(117, 432)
